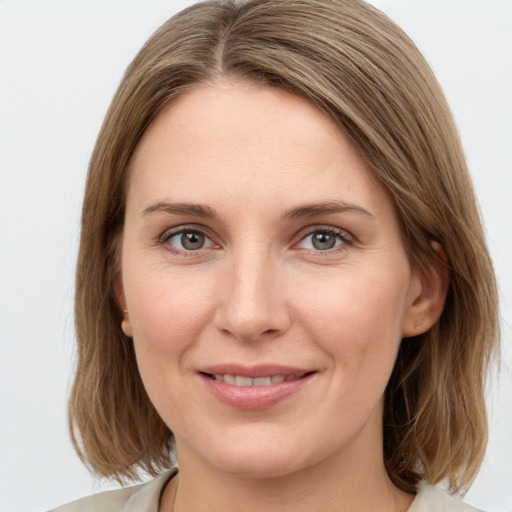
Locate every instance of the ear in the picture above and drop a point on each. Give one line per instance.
(126, 325)
(427, 295)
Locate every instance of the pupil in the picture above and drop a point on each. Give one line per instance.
(192, 241)
(323, 241)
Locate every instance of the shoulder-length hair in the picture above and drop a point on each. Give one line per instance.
(363, 72)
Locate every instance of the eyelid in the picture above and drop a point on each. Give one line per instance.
(346, 237)
(184, 228)
(180, 228)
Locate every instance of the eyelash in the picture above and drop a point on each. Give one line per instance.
(164, 239)
(346, 239)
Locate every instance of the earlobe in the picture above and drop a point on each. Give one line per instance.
(428, 295)
(126, 325)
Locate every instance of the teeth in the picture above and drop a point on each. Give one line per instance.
(243, 381)
(239, 380)
(261, 381)
(229, 379)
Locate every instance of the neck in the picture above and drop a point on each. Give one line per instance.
(345, 481)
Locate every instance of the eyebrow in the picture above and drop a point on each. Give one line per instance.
(299, 212)
(197, 210)
(315, 209)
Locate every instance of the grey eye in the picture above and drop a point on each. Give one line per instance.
(189, 240)
(192, 240)
(323, 240)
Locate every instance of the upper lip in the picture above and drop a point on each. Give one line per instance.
(253, 371)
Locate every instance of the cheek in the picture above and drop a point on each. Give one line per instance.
(357, 318)
(167, 316)
(167, 309)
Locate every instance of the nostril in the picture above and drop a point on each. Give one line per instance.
(250, 314)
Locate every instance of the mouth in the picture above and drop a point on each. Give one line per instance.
(265, 381)
(255, 388)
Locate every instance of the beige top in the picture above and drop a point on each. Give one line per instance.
(146, 497)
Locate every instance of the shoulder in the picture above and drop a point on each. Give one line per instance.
(434, 499)
(138, 498)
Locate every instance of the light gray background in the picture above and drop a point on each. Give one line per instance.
(60, 63)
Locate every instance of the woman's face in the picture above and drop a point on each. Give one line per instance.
(266, 283)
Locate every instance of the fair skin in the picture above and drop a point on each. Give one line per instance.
(258, 244)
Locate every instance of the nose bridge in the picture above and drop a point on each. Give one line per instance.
(252, 299)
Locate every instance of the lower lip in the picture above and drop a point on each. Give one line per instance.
(253, 398)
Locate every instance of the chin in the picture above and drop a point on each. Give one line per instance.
(264, 467)
(261, 459)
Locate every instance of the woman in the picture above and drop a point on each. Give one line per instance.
(282, 271)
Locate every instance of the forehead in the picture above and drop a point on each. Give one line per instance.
(253, 141)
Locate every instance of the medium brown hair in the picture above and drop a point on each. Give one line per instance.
(362, 71)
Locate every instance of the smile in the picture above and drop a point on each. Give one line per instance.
(255, 388)
(241, 380)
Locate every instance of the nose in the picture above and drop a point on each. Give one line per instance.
(252, 304)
